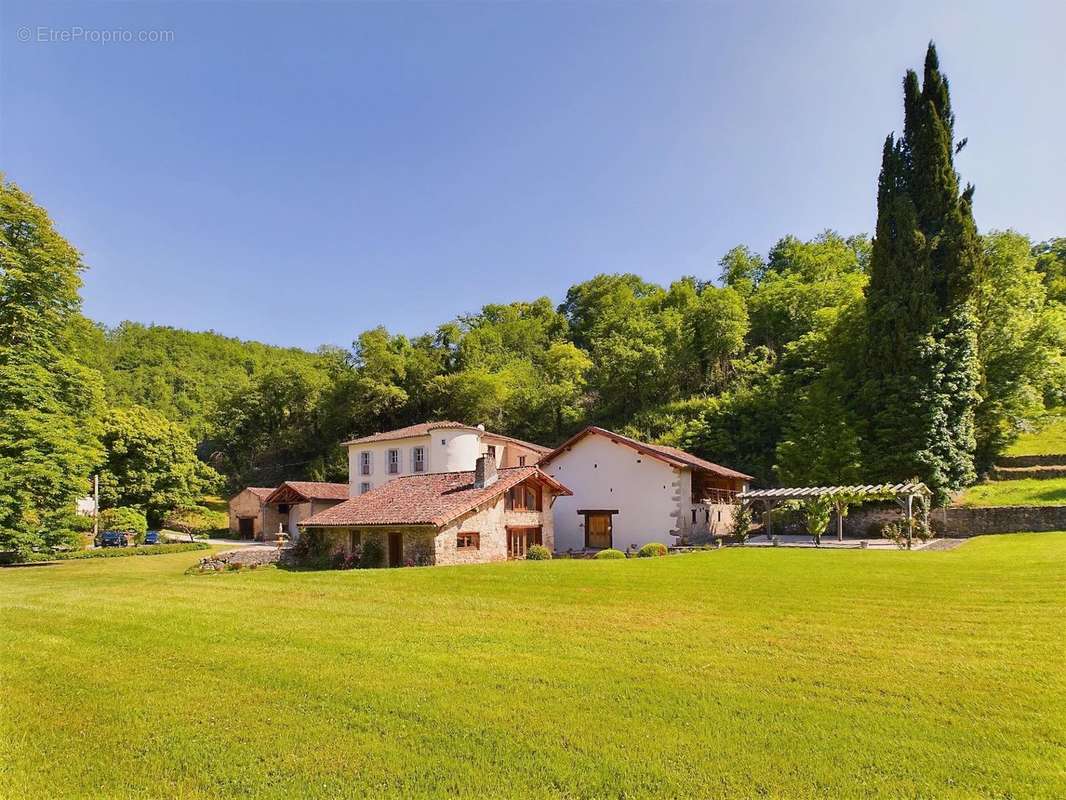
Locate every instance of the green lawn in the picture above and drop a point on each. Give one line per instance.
(1048, 439)
(732, 673)
(1023, 492)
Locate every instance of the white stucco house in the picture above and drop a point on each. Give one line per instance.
(626, 493)
(430, 448)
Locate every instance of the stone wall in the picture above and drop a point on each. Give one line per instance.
(1031, 461)
(961, 522)
(1001, 519)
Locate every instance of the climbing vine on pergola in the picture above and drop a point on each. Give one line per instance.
(904, 494)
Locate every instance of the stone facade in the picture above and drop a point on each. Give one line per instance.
(1031, 461)
(423, 544)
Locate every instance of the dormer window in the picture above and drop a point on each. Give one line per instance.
(364, 463)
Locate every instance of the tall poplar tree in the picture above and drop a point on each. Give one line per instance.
(922, 371)
(49, 401)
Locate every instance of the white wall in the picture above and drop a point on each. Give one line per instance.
(446, 450)
(601, 474)
(453, 450)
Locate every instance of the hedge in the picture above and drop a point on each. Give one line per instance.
(119, 552)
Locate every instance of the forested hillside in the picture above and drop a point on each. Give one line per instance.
(181, 374)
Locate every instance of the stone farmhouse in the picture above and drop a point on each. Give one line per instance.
(460, 517)
(448, 493)
(627, 493)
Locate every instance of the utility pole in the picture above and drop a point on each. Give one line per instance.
(96, 507)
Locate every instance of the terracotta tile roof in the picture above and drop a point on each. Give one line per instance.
(421, 429)
(672, 455)
(432, 499)
(311, 490)
(262, 492)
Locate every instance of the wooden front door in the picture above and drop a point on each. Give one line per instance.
(519, 540)
(598, 531)
(246, 527)
(395, 549)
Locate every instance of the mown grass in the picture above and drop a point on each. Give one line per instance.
(732, 673)
(1021, 492)
(1049, 437)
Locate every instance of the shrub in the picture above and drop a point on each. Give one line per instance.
(741, 523)
(538, 552)
(897, 532)
(343, 560)
(120, 552)
(652, 550)
(609, 554)
(373, 555)
(312, 550)
(198, 521)
(126, 520)
(81, 524)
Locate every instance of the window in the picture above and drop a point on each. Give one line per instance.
(354, 540)
(418, 456)
(693, 516)
(468, 541)
(490, 450)
(521, 461)
(394, 462)
(283, 508)
(523, 498)
(364, 488)
(364, 463)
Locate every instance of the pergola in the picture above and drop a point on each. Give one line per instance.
(903, 493)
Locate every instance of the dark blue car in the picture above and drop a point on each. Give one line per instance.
(152, 537)
(112, 539)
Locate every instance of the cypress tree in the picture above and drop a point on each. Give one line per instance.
(921, 364)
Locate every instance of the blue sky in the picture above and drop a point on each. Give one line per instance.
(296, 173)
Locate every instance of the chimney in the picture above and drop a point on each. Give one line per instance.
(485, 472)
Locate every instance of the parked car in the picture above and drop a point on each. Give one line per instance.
(113, 539)
(152, 537)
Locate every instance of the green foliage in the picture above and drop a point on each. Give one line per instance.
(609, 554)
(816, 515)
(50, 400)
(119, 552)
(1021, 341)
(373, 555)
(150, 464)
(537, 552)
(196, 520)
(922, 368)
(1051, 264)
(124, 519)
(652, 550)
(183, 375)
(740, 524)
